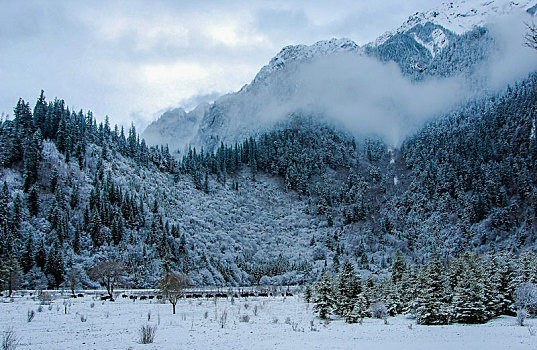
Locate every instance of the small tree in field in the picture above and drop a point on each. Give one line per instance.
(109, 273)
(172, 286)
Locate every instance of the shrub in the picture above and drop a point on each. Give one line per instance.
(223, 319)
(45, 298)
(30, 316)
(9, 340)
(378, 310)
(147, 334)
(245, 318)
(521, 315)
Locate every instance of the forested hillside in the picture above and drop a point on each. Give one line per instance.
(273, 209)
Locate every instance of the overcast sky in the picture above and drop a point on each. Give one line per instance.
(132, 59)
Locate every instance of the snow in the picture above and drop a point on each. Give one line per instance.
(533, 127)
(281, 322)
(300, 53)
(461, 16)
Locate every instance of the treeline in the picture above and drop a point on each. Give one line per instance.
(471, 288)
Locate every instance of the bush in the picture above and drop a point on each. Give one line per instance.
(45, 298)
(30, 316)
(9, 340)
(526, 298)
(521, 315)
(223, 319)
(245, 318)
(147, 334)
(378, 310)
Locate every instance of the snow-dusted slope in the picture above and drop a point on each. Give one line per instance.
(304, 53)
(461, 16)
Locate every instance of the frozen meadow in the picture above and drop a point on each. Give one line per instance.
(241, 323)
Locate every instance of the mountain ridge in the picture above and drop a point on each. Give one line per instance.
(233, 116)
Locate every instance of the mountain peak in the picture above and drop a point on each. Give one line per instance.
(301, 53)
(462, 16)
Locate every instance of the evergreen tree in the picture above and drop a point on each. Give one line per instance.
(432, 306)
(33, 202)
(40, 255)
(323, 299)
(27, 260)
(469, 300)
(347, 289)
(54, 268)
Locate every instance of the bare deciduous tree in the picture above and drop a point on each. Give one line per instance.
(109, 273)
(172, 287)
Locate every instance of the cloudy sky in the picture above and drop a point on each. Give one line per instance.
(132, 59)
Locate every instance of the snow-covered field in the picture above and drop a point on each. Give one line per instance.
(280, 323)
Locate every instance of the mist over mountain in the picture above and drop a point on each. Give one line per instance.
(387, 88)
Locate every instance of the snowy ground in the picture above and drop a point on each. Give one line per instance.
(280, 323)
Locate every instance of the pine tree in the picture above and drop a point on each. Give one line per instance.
(360, 308)
(4, 201)
(23, 117)
(33, 202)
(399, 267)
(40, 255)
(40, 111)
(323, 299)
(54, 268)
(432, 307)
(469, 302)
(307, 293)
(347, 288)
(27, 260)
(31, 160)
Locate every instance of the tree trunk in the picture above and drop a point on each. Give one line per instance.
(173, 308)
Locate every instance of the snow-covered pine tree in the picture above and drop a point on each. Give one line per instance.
(432, 307)
(469, 300)
(360, 308)
(323, 298)
(347, 289)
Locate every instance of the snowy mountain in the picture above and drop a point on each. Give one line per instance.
(440, 43)
(462, 16)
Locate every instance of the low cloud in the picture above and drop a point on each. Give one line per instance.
(367, 97)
